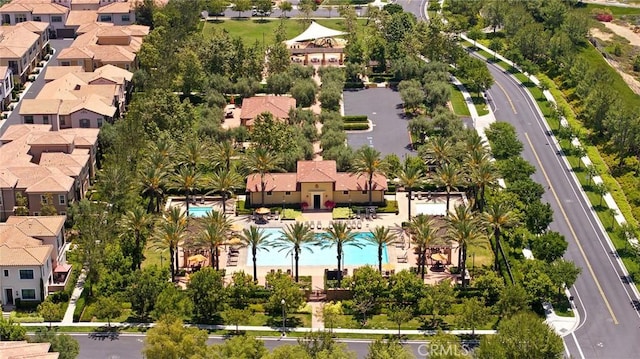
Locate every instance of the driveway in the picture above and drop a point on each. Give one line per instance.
(14, 118)
(384, 108)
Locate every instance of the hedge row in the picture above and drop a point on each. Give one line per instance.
(355, 126)
(354, 85)
(355, 118)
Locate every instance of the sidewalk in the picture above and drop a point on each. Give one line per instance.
(77, 291)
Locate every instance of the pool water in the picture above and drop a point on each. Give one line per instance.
(316, 255)
(198, 212)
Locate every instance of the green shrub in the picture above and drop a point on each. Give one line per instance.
(355, 126)
(390, 207)
(242, 209)
(355, 118)
(354, 85)
(27, 305)
(290, 213)
(16, 317)
(341, 213)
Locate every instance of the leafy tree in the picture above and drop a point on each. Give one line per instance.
(236, 316)
(548, 246)
(411, 94)
(137, 223)
(504, 140)
(282, 287)
(215, 229)
(367, 285)
(563, 273)
(387, 349)
(321, 345)
(279, 83)
(330, 97)
(304, 91)
(296, 237)
(241, 290)
(285, 7)
(145, 287)
(206, 289)
(446, 346)
(437, 300)
(339, 235)
(287, 352)
(515, 169)
(241, 5)
(405, 289)
(437, 93)
(263, 6)
(255, 239)
(495, 44)
(108, 307)
(474, 313)
(381, 236)
(538, 216)
(170, 232)
(330, 312)
(216, 6)
(170, 339)
(512, 299)
(65, 345)
(368, 163)
(527, 190)
(400, 314)
(491, 285)
(172, 301)
(11, 331)
(22, 205)
(536, 280)
(47, 208)
(524, 336)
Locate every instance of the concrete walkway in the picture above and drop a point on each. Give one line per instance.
(317, 321)
(77, 291)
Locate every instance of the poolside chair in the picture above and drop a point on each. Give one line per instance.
(319, 225)
(374, 215)
(277, 216)
(359, 224)
(349, 224)
(419, 196)
(403, 258)
(312, 225)
(330, 224)
(358, 214)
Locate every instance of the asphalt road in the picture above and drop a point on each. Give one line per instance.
(604, 299)
(384, 108)
(14, 118)
(129, 346)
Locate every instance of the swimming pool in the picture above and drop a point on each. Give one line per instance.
(198, 212)
(352, 256)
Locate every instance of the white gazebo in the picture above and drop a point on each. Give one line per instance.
(315, 31)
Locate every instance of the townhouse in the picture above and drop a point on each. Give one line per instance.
(6, 87)
(22, 46)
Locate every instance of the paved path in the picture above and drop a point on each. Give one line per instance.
(316, 315)
(77, 291)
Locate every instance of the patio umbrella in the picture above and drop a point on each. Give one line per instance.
(237, 227)
(388, 267)
(263, 210)
(439, 257)
(234, 241)
(198, 258)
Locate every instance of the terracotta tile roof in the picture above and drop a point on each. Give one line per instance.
(51, 138)
(39, 107)
(34, 26)
(69, 164)
(85, 2)
(116, 8)
(27, 256)
(112, 53)
(278, 106)
(316, 171)
(138, 30)
(13, 237)
(24, 350)
(55, 72)
(15, 41)
(38, 226)
(73, 53)
(14, 132)
(50, 8)
(40, 179)
(4, 70)
(7, 179)
(279, 182)
(15, 7)
(85, 137)
(84, 28)
(81, 17)
(114, 73)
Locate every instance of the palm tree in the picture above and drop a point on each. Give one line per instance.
(186, 180)
(410, 177)
(160, 153)
(296, 236)
(499, 217)
(137, 223)
(254, 238)
(465, 229)
(423, 235)
(483, 175)
(193, 153)
(438, 151)
(340, 236)
(222, 154)
(170, 233)
(225, 182)
(153, 181)
(381, 236)
(367, 162)
(215, 231)
(262, 162)
(449, 176)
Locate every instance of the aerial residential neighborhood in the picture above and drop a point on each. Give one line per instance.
(319, 179)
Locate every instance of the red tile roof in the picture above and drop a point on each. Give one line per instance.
(278, 106)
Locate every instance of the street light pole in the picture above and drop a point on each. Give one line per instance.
(284, 323)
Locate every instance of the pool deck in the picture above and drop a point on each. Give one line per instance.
(391, 220)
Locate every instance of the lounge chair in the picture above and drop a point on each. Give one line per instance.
(419, 196)
(358, 214)
(403, 258)
(374, 215)
(202, 199)
(349, 224)
(330, 224)
(312, 225)
(277, 215)
(269, 216)
(232, 262)
(319, 225)
(359, 224)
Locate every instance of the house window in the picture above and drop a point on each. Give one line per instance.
(56, 18)
(269, 193)
(6, 272)
(65, 63)
(29, 294)
(45, 119)
(21, 18)
(62, 199)
(36, 18)
(63, 213)
(28, 119)
(126, 18)
(62, 121)
(105, 18)
(26, 273)
(364, 192)
(99, 122)
(345, 192)
(43, 199)
(287, 193)
(85, 123)
(36, 213)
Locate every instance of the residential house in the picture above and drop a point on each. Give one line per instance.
(102, 45)
(317, 184)
(6, 87)
(23, 349)
(45, 11)
(22, 46)
(32, 257)
(39, 164)
(278, 106)
(118, 13)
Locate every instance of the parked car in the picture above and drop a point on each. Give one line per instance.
(261, 13)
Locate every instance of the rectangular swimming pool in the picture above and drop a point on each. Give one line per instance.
(352, 256)
(198, 212)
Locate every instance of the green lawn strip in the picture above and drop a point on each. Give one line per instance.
(153, 257)
(615, 10)
(458, 103)
(479, 255)
(381, 321)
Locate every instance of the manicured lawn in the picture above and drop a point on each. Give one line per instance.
(479, 256)
(457, 102)
(615, 10)
(252, 30)
(152, 257)
(381, 321)
(341, 213)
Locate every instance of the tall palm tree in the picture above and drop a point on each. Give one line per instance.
(481, 176)
(160, 153)
(438, 151)
(225, 182)
(193, 153)
(186, 180)
(449, 176)
(138, 224)
(222, 154)
(499, 217)
(381, 236)
(152, 183)
(367, 162)
(474, 143)
(262, 162)
(466, 230)
(254, 238)
(339, 235)
(423, 235)
(215, 229)
(170, 233)
(410, 177)
(296, 236)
